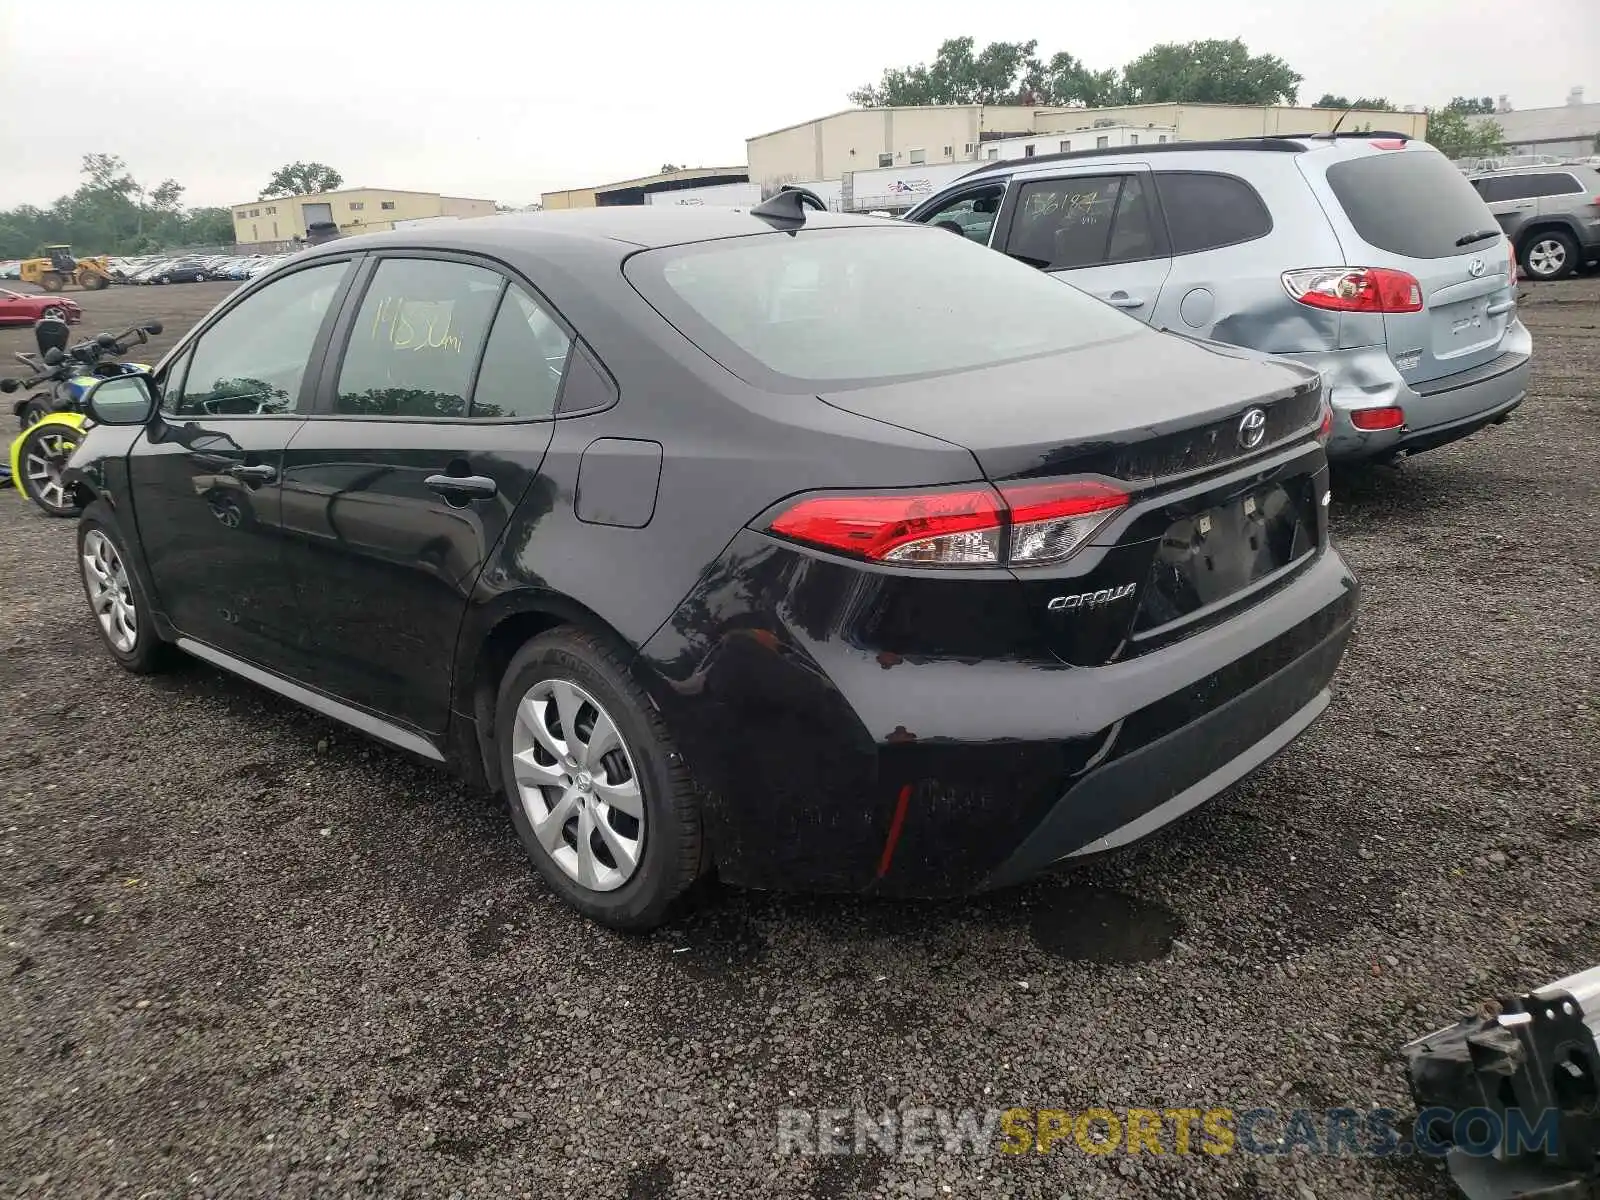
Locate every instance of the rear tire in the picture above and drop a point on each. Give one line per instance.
(571, 808)
(41, 457)
(1549, 255)
(117, 602)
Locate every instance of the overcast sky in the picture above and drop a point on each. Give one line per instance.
(506, 100)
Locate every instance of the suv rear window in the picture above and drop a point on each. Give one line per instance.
(1410, 202)
(842, 307)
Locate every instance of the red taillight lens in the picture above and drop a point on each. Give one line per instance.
(1377, 418)
(1325, 429)
(1355, 289)
(1390, 143)
(957, 529)
(1511, 255)
(1028, 524)
(1051, 520)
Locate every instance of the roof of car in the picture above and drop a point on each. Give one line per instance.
(1288, 143)
(618, 229)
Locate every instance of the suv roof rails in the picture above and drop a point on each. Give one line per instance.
(789, 205)
(1278, 145)
(1349, 133)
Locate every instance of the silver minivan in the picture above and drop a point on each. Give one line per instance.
(1369, 258)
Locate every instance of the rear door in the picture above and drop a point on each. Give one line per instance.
(431, 424)
(1096, 228)
(1412, 210)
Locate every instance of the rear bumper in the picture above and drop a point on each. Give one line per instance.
(1437, 411)
(825, 767)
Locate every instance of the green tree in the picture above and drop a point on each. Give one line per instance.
(1329, 100)
(1214, 72)
(302, 179)
(1454, 135)
(1472, 106)
(1209, 72)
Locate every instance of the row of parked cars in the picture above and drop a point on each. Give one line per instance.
(189, 268)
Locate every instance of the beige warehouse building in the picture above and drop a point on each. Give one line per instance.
(861, 139)
(271, 223)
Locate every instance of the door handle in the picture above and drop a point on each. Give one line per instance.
(475, 487)
(1505, 306)
(1123, 300)
(254, 474)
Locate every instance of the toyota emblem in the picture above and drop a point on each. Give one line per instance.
(1252, 429)
(1476, 267)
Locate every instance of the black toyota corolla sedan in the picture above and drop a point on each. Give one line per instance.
(823, 552)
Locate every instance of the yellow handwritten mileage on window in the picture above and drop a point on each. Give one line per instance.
(1102, 1131)
(415, 324)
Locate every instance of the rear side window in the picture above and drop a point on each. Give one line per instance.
(522, 364)
(1409, 202)
(417, 338)
(1557, 183)
(850, 307)
(1206, 210)
(1082, 221)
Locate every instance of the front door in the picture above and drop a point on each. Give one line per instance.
(1098, 230)
(206, 478)
(431, 426)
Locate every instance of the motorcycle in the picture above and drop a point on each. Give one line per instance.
(53, 421)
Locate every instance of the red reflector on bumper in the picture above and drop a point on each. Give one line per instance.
(1377, 418)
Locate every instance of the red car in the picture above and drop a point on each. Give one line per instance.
(17, 309)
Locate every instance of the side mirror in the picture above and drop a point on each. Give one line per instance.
(122, 400)
(152, 327)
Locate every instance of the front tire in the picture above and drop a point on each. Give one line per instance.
(43, 457)
(53, 313)
(599, 796)
(1550, 255)
(34, 411)
(116, 600)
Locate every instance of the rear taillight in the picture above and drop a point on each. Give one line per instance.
(1372, 419)
(1027, 524)
(1355, 289)
(1325, 427)
(1511, 266)
(1389, 143)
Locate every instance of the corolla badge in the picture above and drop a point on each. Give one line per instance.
(1252, 428)
(1091, 599)
(1476, 267)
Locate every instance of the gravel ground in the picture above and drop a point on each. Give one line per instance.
(248, 954)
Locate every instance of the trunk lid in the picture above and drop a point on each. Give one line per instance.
(1211, 523)
(1138, 408)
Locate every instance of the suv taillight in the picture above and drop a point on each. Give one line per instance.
(1511, 255)
(1355, 289)
(1021, 525)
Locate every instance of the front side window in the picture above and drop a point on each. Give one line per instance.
(416, 339)
(253, 361)
(1495, 189)
(971, 215)
(1083, 221)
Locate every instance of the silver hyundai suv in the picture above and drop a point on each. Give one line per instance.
(1369, 258)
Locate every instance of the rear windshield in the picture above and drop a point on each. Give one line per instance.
(1410, 202)
(841, 307)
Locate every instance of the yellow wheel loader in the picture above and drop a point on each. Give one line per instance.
(56, 268)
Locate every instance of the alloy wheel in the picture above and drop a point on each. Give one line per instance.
(110, 592)
(577, 784)
(54, 314)
(44, 464)
(1547, 257)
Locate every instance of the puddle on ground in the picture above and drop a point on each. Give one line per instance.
(1089, 924)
